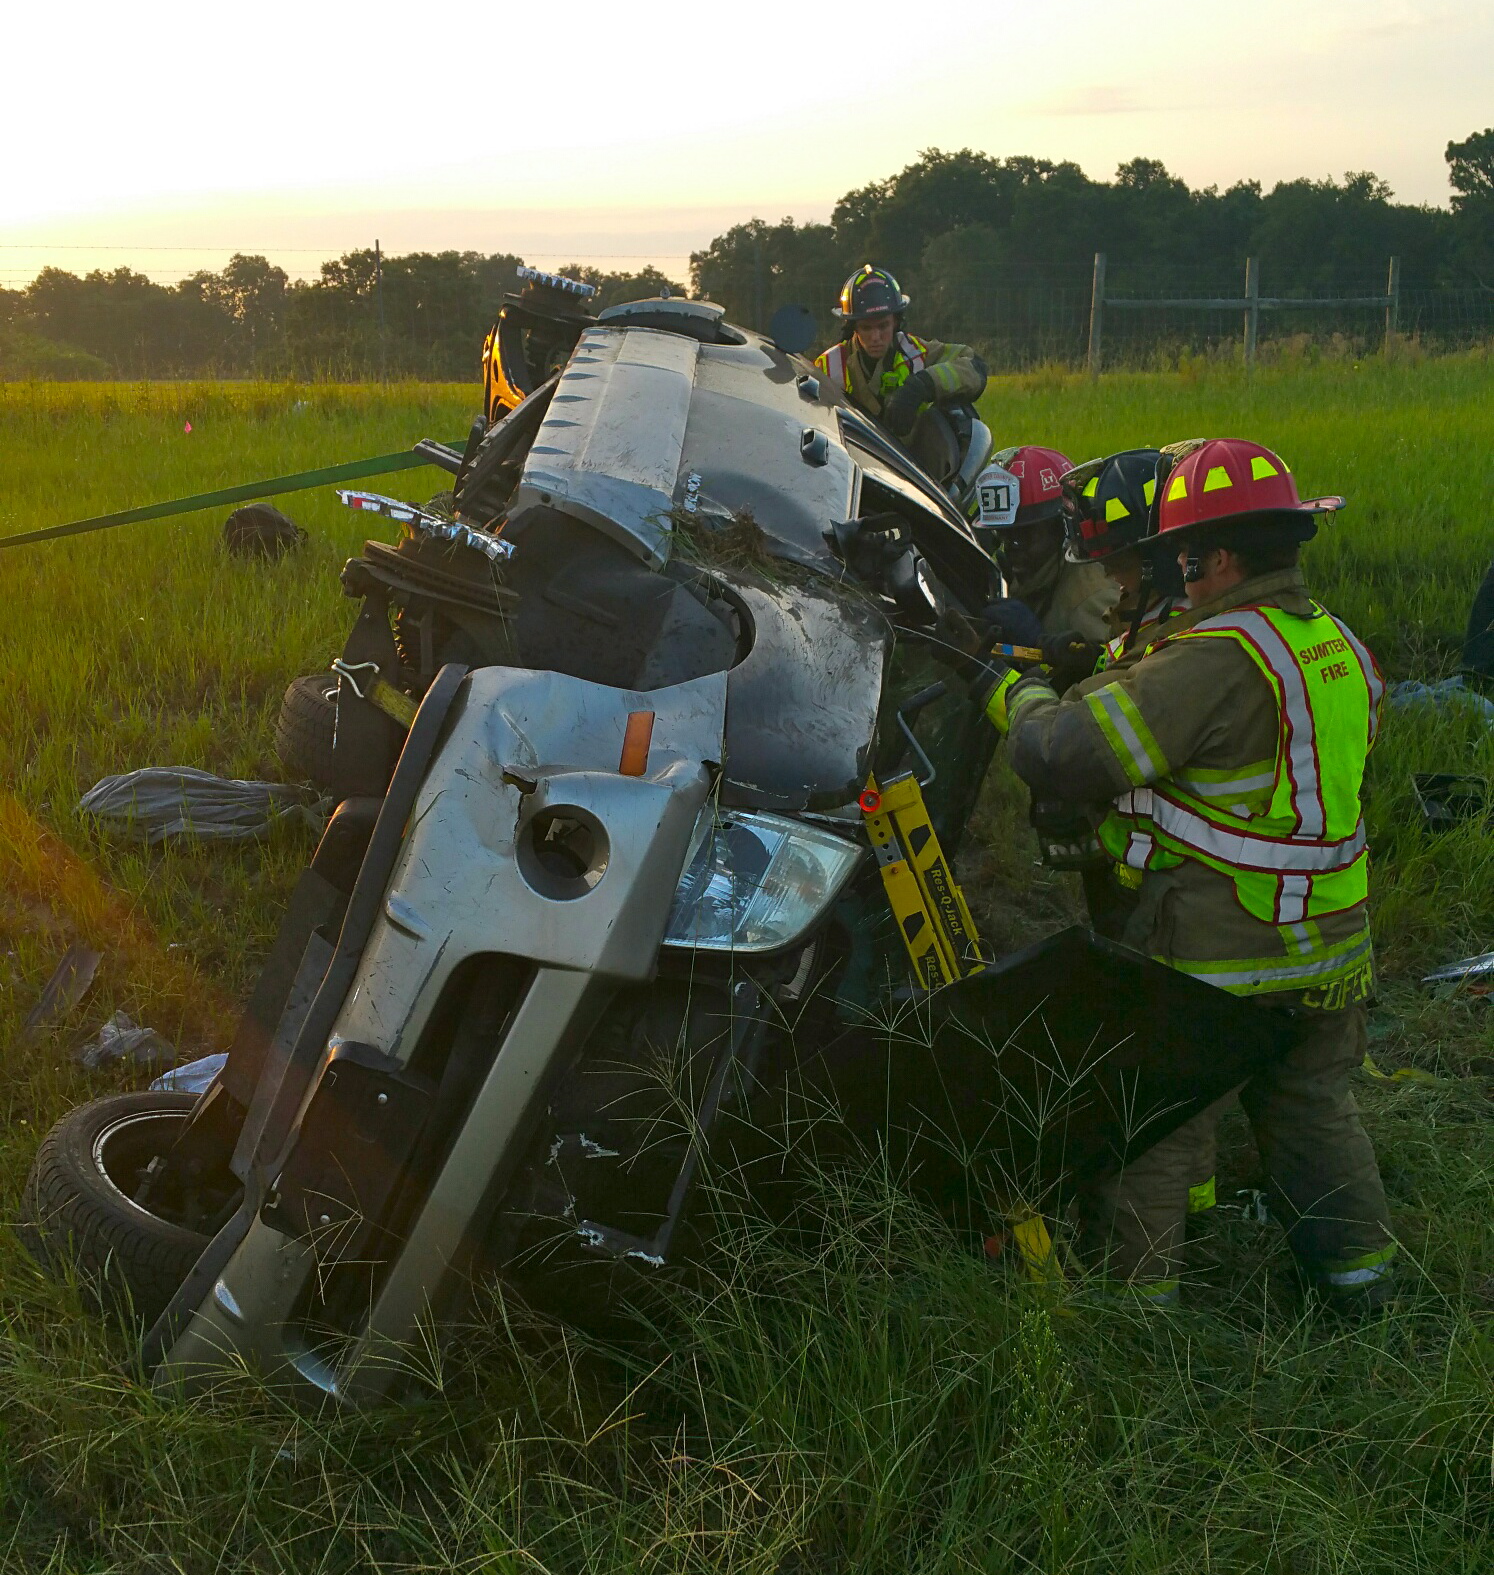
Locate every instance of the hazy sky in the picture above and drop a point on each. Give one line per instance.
(178, 132)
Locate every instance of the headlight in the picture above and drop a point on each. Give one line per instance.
(756, 882)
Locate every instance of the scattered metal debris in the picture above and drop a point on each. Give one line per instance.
(1250, 1205)
(422, 522)
(1448, 799)
(1477, 972)
(62, 992)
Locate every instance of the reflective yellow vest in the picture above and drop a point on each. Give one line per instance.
(910, 355)
(1289, 832)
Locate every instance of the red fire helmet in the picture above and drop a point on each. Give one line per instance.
(1233, 480)
(1037, 471)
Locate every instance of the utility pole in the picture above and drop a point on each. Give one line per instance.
(1096, 314)
(379, 292)
(1393, 302)
(1252, 309)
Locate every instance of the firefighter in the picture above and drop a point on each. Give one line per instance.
(1108, 514)
(1110, 519)
(1022, 512)
(1231, 752)
(885, 371)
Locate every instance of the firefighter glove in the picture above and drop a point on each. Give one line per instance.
(1013, 622)
(1071, 657)
(905, 401)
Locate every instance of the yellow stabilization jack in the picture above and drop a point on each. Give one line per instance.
(943, 945)
(932, 915)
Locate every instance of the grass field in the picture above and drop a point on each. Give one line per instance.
(889, 1405)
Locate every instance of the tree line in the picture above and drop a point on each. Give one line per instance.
(991, 248)
(420, 315)
(979, 241)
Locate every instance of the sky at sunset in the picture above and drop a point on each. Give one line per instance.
(166, 136)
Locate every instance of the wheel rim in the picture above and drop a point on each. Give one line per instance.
(124, 1147)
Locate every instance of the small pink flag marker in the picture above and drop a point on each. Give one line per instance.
(187, 427)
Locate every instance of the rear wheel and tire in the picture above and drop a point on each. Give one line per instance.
(78, 1211)
(306, 727)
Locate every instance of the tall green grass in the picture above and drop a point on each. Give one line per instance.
(868, 1398)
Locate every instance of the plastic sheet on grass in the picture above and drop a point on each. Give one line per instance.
(195, 1077)
(122, 1039)
(1448, 694)
(160, 803)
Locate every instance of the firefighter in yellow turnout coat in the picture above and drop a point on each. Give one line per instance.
(1231, 750)
(888, 373)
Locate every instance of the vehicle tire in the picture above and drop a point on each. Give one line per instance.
(78, 1214)
(306, 727)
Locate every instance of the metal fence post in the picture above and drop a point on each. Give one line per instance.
(379, 292)
(1096, 314)
(1393, 301)
(1252, 308)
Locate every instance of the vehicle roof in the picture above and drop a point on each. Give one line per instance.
(647, 424)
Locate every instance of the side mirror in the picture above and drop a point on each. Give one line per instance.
(792, 329)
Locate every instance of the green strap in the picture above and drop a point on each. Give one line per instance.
(406, 459)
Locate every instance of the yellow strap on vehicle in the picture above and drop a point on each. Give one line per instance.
(393, 702)
(931, 912)
(377, 690)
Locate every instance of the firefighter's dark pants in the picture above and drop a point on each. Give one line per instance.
(1324, 1182)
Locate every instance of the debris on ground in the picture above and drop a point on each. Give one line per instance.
(62, 992)
(1448, 694)
(157, 803)
(1250, 1204)
(1476, 972)
(1402, 1074)
(1447, 799)
(195, 1077)
(121, 1039)
(260, 530)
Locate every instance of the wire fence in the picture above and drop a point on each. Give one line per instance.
(1018, 325)
(427, 322)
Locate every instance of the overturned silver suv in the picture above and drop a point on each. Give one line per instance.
(650, 783)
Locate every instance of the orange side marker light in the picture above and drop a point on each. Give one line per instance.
(636, 740)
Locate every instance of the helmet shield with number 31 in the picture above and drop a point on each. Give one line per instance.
(1020, 487)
